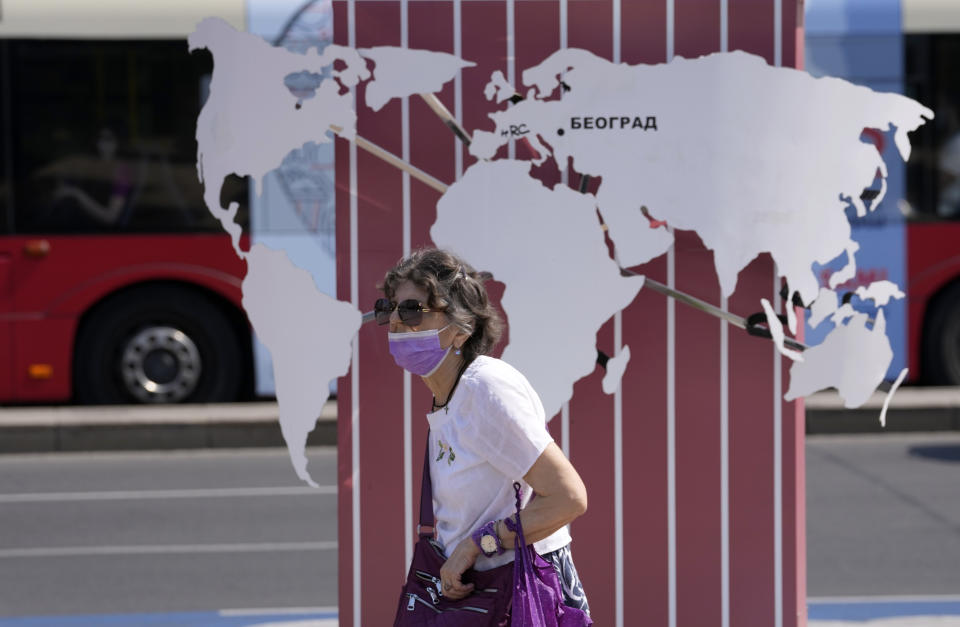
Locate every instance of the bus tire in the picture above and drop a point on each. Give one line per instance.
(157, 344)
(941, 339)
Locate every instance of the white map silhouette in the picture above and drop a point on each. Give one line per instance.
(616, 366)
(247, 128)
(753, 158)
(852, 358)
(546, 246)
(880, 292)
(403, 72)
(308, 334)
(249, 123)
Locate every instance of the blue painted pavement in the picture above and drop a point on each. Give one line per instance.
(872, 608)
(179, 619)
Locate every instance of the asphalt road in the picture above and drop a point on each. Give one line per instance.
(101, 533)
(883, 514)
(165, 531)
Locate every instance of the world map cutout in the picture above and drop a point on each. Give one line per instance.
(751, 157)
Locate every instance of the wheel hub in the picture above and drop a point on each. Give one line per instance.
(160, 365)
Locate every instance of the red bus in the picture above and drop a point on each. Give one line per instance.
(116, 284)
(913, 238)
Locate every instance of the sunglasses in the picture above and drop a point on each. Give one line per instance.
(410, 311)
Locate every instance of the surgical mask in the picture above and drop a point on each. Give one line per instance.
(418, 351)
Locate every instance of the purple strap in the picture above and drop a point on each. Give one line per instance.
(426, 496)
(426, 501)
(516, 527)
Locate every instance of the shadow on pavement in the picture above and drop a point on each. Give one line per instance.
(939, 452)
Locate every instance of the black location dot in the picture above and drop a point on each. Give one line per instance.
(559, 131)
(298, 105)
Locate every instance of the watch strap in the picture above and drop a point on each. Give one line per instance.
(488, 529)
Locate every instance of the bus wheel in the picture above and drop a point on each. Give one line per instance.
(159, 344)
(941, 349)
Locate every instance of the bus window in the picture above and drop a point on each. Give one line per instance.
(103, 137)
(933, 78)
(6, 217)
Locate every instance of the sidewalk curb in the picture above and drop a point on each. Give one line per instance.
(117, 428)
(911, 409)
(240, 425)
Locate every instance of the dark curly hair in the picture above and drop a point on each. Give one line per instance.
(452, 285)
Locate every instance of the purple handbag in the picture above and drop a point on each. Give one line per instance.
(422, 603)
(526, 593)
(537, 595)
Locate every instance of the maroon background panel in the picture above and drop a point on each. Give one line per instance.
(432, 149)
(698, 438)
(751, 457)
(644, 386)
(698, 463)
(590, 27)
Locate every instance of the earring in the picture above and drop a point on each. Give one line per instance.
(456, 352)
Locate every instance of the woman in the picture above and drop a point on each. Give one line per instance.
(487, 425)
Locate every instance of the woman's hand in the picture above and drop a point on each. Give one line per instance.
(462, 558)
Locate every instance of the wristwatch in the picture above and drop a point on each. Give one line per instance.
(487, 540)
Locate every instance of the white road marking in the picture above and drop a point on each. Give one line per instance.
(81, 551)
(197, 493)
(278, 611)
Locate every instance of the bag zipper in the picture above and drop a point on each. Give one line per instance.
(412, 603)
(470, 608)
(434, 596)
(414, 598)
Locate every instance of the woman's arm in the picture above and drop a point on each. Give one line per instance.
(561, 497)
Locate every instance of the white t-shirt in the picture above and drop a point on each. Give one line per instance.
(488, 436)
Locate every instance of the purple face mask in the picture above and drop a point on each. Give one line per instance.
(418, 351)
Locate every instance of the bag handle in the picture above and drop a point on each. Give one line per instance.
(517, 527)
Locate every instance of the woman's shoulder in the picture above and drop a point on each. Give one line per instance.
(493, 377)
(487, 369)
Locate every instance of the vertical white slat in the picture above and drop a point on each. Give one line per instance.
(511, 63)
(777, 470)
(778, 32)
(458, 86)
(670, 28)
(671, 398)
(724, 406)
(617, 47)
(724, 469)
(565, 180)
(407, 392)
(671, 442)
(618, 477)
(565, 429)
(618, 409)
(355, 368)
(778, 389)
(724, 25)
(564, 25)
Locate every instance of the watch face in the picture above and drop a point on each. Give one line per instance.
(488, 544)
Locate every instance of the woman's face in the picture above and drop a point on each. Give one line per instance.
(431, 320)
